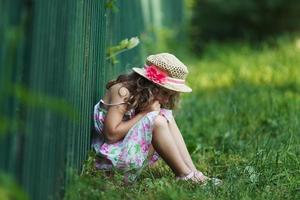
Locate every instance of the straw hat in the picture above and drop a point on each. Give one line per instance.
(165, 70)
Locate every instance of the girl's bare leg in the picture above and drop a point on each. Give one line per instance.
(164, 144)
(175, 132)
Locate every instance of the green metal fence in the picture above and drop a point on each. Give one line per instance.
(53, 70)
(12, 59)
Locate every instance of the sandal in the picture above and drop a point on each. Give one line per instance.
(213, 181)
(190, 176)
(199, 177)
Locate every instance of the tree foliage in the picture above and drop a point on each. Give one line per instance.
(235, 19)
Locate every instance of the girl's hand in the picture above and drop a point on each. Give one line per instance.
(155, 106)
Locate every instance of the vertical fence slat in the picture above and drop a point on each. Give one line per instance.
(62, 58)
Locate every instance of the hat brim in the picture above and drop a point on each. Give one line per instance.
(174, 87)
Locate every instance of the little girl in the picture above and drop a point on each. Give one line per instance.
(134, 121)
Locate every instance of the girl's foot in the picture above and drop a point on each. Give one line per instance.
(214, 181)
(199, 177)
(194, 176)
(190, 176)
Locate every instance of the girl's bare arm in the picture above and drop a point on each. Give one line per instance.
(114, 128)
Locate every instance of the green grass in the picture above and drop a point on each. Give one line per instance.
(241, 123)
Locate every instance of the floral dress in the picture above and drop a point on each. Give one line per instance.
(129, 155)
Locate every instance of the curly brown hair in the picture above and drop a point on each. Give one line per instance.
(144, 92)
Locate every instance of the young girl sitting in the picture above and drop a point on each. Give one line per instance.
(134, 121)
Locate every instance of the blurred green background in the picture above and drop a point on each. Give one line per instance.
(240, 123)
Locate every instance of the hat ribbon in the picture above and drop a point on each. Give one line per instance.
(158, 76)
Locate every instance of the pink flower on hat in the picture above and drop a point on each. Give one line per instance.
(155, 74)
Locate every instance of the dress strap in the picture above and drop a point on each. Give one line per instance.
(111, 104)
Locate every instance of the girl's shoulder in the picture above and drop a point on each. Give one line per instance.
(118, 92)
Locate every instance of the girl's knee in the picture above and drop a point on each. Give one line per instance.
(160, 121)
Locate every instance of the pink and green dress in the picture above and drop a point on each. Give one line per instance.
(129, 155)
